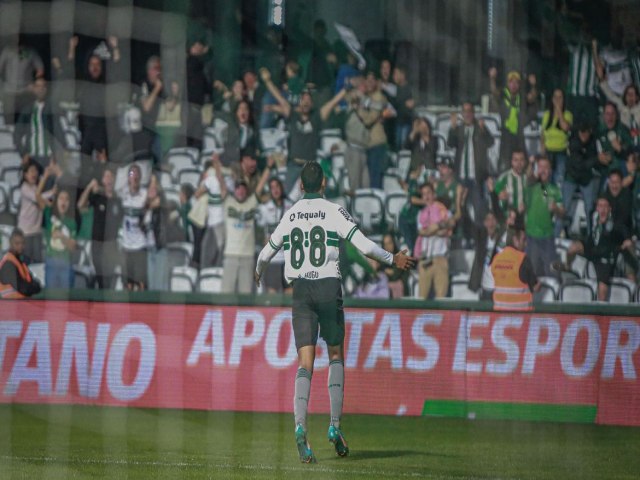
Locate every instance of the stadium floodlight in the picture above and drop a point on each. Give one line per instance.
(276, 13)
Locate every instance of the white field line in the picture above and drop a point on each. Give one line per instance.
(240, 466)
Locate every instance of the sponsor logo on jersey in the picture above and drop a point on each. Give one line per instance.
(307, 215)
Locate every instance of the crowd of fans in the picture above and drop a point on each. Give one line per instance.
(124, 215)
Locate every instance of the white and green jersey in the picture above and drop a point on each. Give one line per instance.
(309, 233)
(582, 73)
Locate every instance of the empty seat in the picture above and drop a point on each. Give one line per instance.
(368, 209)
(393, 205)
(210, 280)
(6, 140)
(621, 290)
(11, 175)
(578, 291)
(181, 158)
(191, 176)
(9, 158)
(391, 183)
(182, 279)
(273, 139)
(460, 290)
(179, 254)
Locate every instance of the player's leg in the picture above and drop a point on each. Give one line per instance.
(331, 319)
(335, 382)
(336, 397)
(305, 331)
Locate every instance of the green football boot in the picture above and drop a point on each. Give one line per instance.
(339, 442)
(304, 449)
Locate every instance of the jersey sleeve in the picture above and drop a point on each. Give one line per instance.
(348, 230)
(270, 249)
(345, 225)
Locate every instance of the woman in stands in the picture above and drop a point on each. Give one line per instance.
(30, 213)
(556, 126)
(60, 230)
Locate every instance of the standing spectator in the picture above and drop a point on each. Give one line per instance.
(247, 172)
(366, 138)
(613, 141)
(239, 134)
(432, 245)
(186, 202)
(403, 104)
(628, 105)
(582, 88)
(510, 185)
(199, 81)
(254, 92)
(156, 226)
(449, 191)
(556, 125)
(150, 95)
(30, 211)
(408, 217)
(16, 280)
(514, 277)
(134, 242)
(212, 243)
(471, 140)
(516, 110)
(92, 120)
(422, 145)
(35, 131)
(389, 88)
(601, 246)
(107, 218)
(19, 66)
(240, 238)
(487, 245)
(543, 202)
(271, 213)
(304, 127)
(583, 158)
(60, 230)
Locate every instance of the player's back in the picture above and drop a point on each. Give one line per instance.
(310, 232)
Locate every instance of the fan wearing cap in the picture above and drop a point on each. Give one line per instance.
(239, 228)
(516, 110)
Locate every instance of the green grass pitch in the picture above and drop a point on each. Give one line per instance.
(67, 442)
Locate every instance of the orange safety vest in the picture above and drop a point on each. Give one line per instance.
(510, 293)
(8, 290)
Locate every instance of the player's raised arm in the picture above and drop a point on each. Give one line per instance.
(348, 230)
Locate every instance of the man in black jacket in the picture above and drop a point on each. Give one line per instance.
(471, 140)
(489, 241)
(583, 157)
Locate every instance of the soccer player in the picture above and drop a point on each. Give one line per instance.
(309, 234)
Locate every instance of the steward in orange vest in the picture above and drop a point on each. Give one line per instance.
(513, 275)
(15, 278)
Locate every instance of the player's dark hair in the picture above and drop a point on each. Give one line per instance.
(312, 176)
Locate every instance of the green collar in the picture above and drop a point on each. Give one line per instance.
(311, 196)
